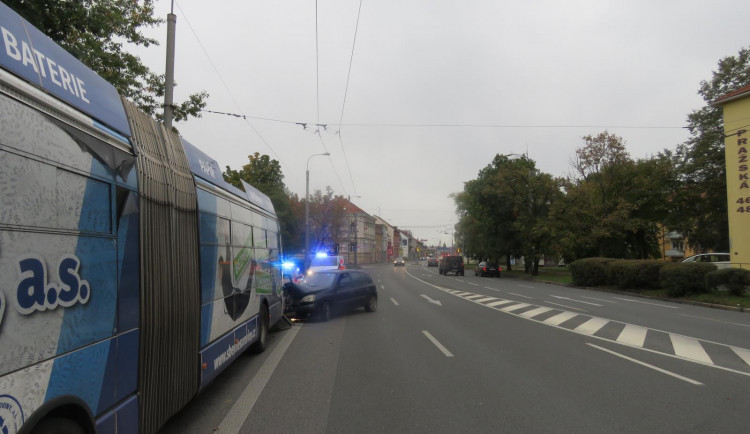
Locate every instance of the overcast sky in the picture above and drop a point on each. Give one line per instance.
(438, 87)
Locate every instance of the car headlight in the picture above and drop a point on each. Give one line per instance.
(308, 298)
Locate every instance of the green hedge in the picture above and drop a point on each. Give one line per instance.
(736, 280)
(680, 279)
(590, 271)
(634, 274)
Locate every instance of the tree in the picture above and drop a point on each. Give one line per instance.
(614, 205)
(504, 212)
(326, 218)
(95, 32)
(699, 205)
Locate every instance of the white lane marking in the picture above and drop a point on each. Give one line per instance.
(711, 319)
(599, 299)
(521, 295)
(514, 307)
(743, 353)
(526, 286)
(437, 344)
(560, 318)
(592, 326)
(633, 335)
(471, 297)
(394, 301)
(573, 299)
(437, 302)
(645, 302)
(486, 299)
(492, 289)
(233, 420)
(461, 294)
(475, 284)
(565, 306)
(656, 368)
(498, 303)
(689, 348)
(535, 312)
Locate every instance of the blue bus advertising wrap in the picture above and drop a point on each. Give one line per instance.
(32, 55)
(124, 253)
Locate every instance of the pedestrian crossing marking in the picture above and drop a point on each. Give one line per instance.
(535, 312)
(482, 300)
(633, 335)
(683, 347)
(689, 348)
(498, 303)
(592, 326)
(514, 307)
(560, 318)
(743, 353)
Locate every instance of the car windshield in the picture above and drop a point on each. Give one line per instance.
(320, 279)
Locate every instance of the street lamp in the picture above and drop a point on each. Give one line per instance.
(307, 204)
(355, 230)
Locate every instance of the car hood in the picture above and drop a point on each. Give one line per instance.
(301, 289)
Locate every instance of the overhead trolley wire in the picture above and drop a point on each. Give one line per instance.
(221, 79)
(346, 91)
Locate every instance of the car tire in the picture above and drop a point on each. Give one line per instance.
(263, 322)
(324, 314)
(372, 303)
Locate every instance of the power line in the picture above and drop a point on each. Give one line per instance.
(457, 125)
(221, 79)
(506, 126)
(346, 91)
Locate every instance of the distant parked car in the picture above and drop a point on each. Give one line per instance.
(399, 261)
(486, 269)
(322, 293)
(721, 260)
(432, 262)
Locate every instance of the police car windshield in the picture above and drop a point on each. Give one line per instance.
(324, 261)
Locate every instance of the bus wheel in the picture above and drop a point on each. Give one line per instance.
(260, 345)
(57, 425)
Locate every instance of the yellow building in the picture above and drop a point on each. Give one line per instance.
(674, 246)
(736, 107)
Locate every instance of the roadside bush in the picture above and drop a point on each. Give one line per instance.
(681, 279)
(635, 274)
(735, 280)
(590, 271)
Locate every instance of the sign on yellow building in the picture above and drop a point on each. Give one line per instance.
(736, 107)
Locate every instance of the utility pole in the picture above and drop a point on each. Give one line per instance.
(169, 72)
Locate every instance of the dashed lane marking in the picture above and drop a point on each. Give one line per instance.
(521, 295)
(645, 302)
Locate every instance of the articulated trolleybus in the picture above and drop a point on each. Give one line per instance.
(132, 274)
